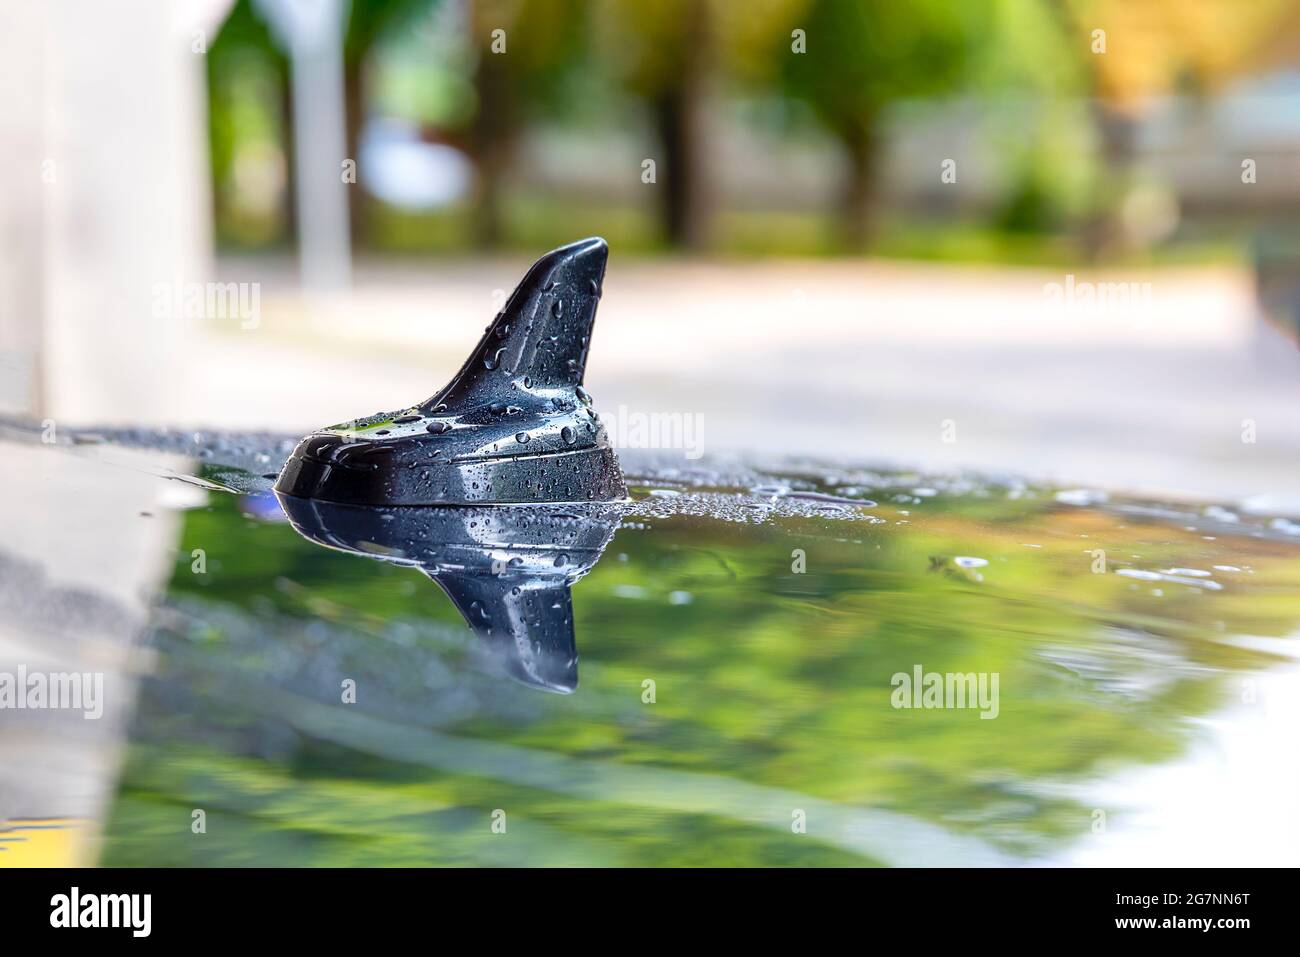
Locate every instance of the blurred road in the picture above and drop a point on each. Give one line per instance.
(935, 366)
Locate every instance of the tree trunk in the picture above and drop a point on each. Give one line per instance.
(354, 117)
(492, 142)
(684, 197)
(681, 195)
(857, 216)
(290, 147)
(1105, 231)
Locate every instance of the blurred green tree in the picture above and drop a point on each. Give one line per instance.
(235, 118)
(521, 72)
(662, 53)
(861, 57)
(1133, 53)
(250, 115)
(369, 22)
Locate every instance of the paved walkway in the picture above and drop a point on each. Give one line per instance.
(936, 366)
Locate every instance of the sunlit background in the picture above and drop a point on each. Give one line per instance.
(1064, 226)
(1049, 239)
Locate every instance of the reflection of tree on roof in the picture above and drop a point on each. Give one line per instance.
(764, 678)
